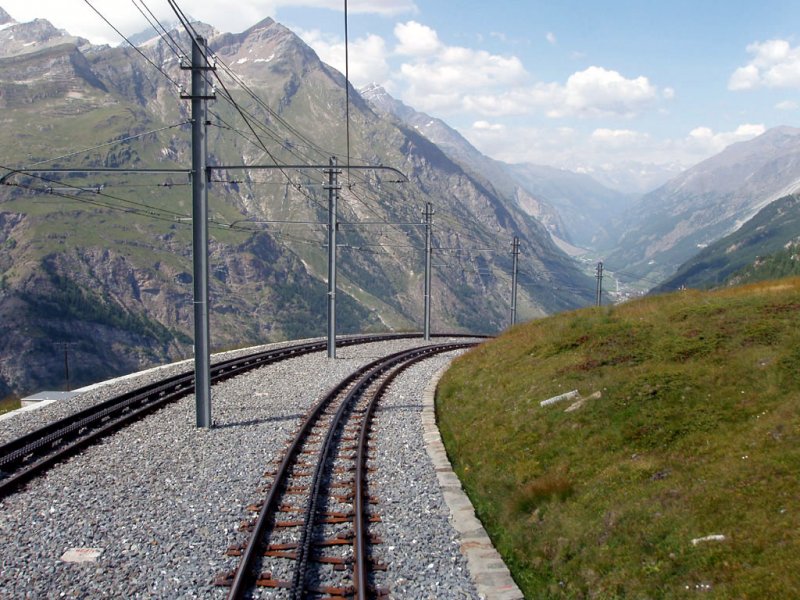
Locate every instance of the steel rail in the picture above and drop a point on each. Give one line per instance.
(31, 454)
(358, 382)
(360, 544)
(243, 578)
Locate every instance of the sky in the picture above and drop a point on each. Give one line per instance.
(628, 91)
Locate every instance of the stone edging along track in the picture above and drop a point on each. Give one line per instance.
(489, 572)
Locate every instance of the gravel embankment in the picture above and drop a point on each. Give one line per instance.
(163, 499)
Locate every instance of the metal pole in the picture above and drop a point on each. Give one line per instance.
(66, 365)
(428, 221)
(515, 256)
(599, 295)
(202, 361)
(333, 196)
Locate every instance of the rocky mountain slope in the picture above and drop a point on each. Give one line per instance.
(103, 261)
(574, 207)
(705, 203)
(491, 173)
(774, 230)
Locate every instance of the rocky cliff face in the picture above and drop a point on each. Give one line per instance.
(102, 261)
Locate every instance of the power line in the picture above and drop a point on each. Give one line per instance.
(111, 143)
(260, 141)
(49, 189)
(142, 54)
(89, 200)
(177, 50)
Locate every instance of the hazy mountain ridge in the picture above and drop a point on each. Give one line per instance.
(23, 38)
(587, 207)
(774, 229)
(669, 225)
(123, 280)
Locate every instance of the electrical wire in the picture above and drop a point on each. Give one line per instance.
(165, 35)
(251, 121)
(111, 143)
(142, 54)
(185, 22)
(141, 205)
(242, 112)
(90, 200)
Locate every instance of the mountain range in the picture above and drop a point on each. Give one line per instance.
(101, 262)
(576, 209)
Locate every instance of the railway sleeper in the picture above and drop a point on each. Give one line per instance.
(333, 591)
(341, 484)
(266, 580)
(289, 524)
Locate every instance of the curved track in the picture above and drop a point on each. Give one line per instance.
(335, 435)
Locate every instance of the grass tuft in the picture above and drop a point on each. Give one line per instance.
(550, 486)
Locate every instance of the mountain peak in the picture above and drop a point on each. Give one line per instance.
(23, 38)
(266, 23)
(373, 89)
(781, 130)
(5, 18)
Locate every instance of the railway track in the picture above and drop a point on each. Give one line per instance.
(312, 526)
(34, 453)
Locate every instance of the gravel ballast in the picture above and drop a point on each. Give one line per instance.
(163, 500)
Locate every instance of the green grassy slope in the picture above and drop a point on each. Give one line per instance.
(688, 427)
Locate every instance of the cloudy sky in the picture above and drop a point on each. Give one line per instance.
(605, 87)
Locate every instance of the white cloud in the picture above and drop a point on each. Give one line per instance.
(603, 149)
(598, 92)
(79, 19)
(551, 38)
(787, 105)
(703, 140)
(774, 64)
(445, 78)
(452, 79)
(617, 137)
(367, 56)
(594, 92)
(497, 104)
(416, 39)
(486, 126)
(389, 8)
(744, 78)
